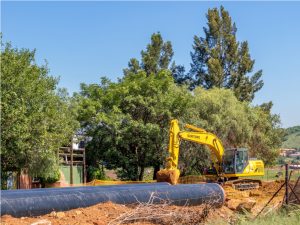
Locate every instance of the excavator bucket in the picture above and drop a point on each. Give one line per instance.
(168, 175)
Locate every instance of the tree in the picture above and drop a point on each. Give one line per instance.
(217, 111)
(128, 121)
(219, 60)
(267, 136)
(157, 56)
(180, 76)
(36, 119)
(237, 124)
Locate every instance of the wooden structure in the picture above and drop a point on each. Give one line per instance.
(71, 156)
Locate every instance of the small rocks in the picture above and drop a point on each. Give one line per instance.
(60, 215)
(57, 214)
(42, 222)
(77, 212)
(245, 194)
(254, 194)
(233, 203)
(246, 206)
(241, 205)
(52, 214)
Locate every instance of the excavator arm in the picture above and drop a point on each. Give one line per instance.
(197, 135)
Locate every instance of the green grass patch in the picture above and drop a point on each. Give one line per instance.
(283, 217)
(276, 174)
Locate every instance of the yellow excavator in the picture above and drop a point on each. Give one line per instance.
(227, 165)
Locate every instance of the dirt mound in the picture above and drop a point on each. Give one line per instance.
(110, 213)
(236, 202)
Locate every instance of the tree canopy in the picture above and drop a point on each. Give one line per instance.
(36, 119)
(128, 121)
(157, 56)
(219, 60)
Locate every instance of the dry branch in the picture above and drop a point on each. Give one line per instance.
(163, 213)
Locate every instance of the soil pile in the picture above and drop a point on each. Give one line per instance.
(108, 213)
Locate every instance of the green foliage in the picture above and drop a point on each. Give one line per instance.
(129, 120)
(217, 111)
(35, 118)
(237, 124)
(54, 176)
(280, 160)
(157, 57)
(96, 173)
(292, 130)
(219, 60)
(267, 135)
(290, 217)
(292, 137)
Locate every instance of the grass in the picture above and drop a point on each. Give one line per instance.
(292, 138)
(283, 217)
(270, 174)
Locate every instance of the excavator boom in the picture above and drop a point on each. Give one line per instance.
(199, 136)
(236, 162)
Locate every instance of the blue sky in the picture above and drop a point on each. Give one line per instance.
(85, 40)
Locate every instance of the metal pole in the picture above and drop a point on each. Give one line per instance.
(71, 166)
(286, 184)
(84, 167)
(270, 200)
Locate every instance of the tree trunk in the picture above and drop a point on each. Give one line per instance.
(156, 168)
(141, 175)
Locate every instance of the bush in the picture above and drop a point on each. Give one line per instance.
(96, 173)
(54, 177)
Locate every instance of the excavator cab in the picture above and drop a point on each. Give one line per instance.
(235, 160)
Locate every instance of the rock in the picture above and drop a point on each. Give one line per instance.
(52, 214)
(245, 194)
(98, 223)
(41, 222)
(77, 212)
(233, 203)
(60, 214)
(246, 206)
(254, 194)
(6, 217)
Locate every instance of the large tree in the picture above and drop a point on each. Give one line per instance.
(236, 123)
(128, 121)
(36, 119)
(219, 60)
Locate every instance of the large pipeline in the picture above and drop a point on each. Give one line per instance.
(37, 202)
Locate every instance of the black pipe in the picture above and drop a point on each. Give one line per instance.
(35, 202)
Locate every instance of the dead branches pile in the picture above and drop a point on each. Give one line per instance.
(163, 213)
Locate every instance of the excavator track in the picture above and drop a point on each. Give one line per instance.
(245, 184)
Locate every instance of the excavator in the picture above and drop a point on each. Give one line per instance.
(228, 165)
